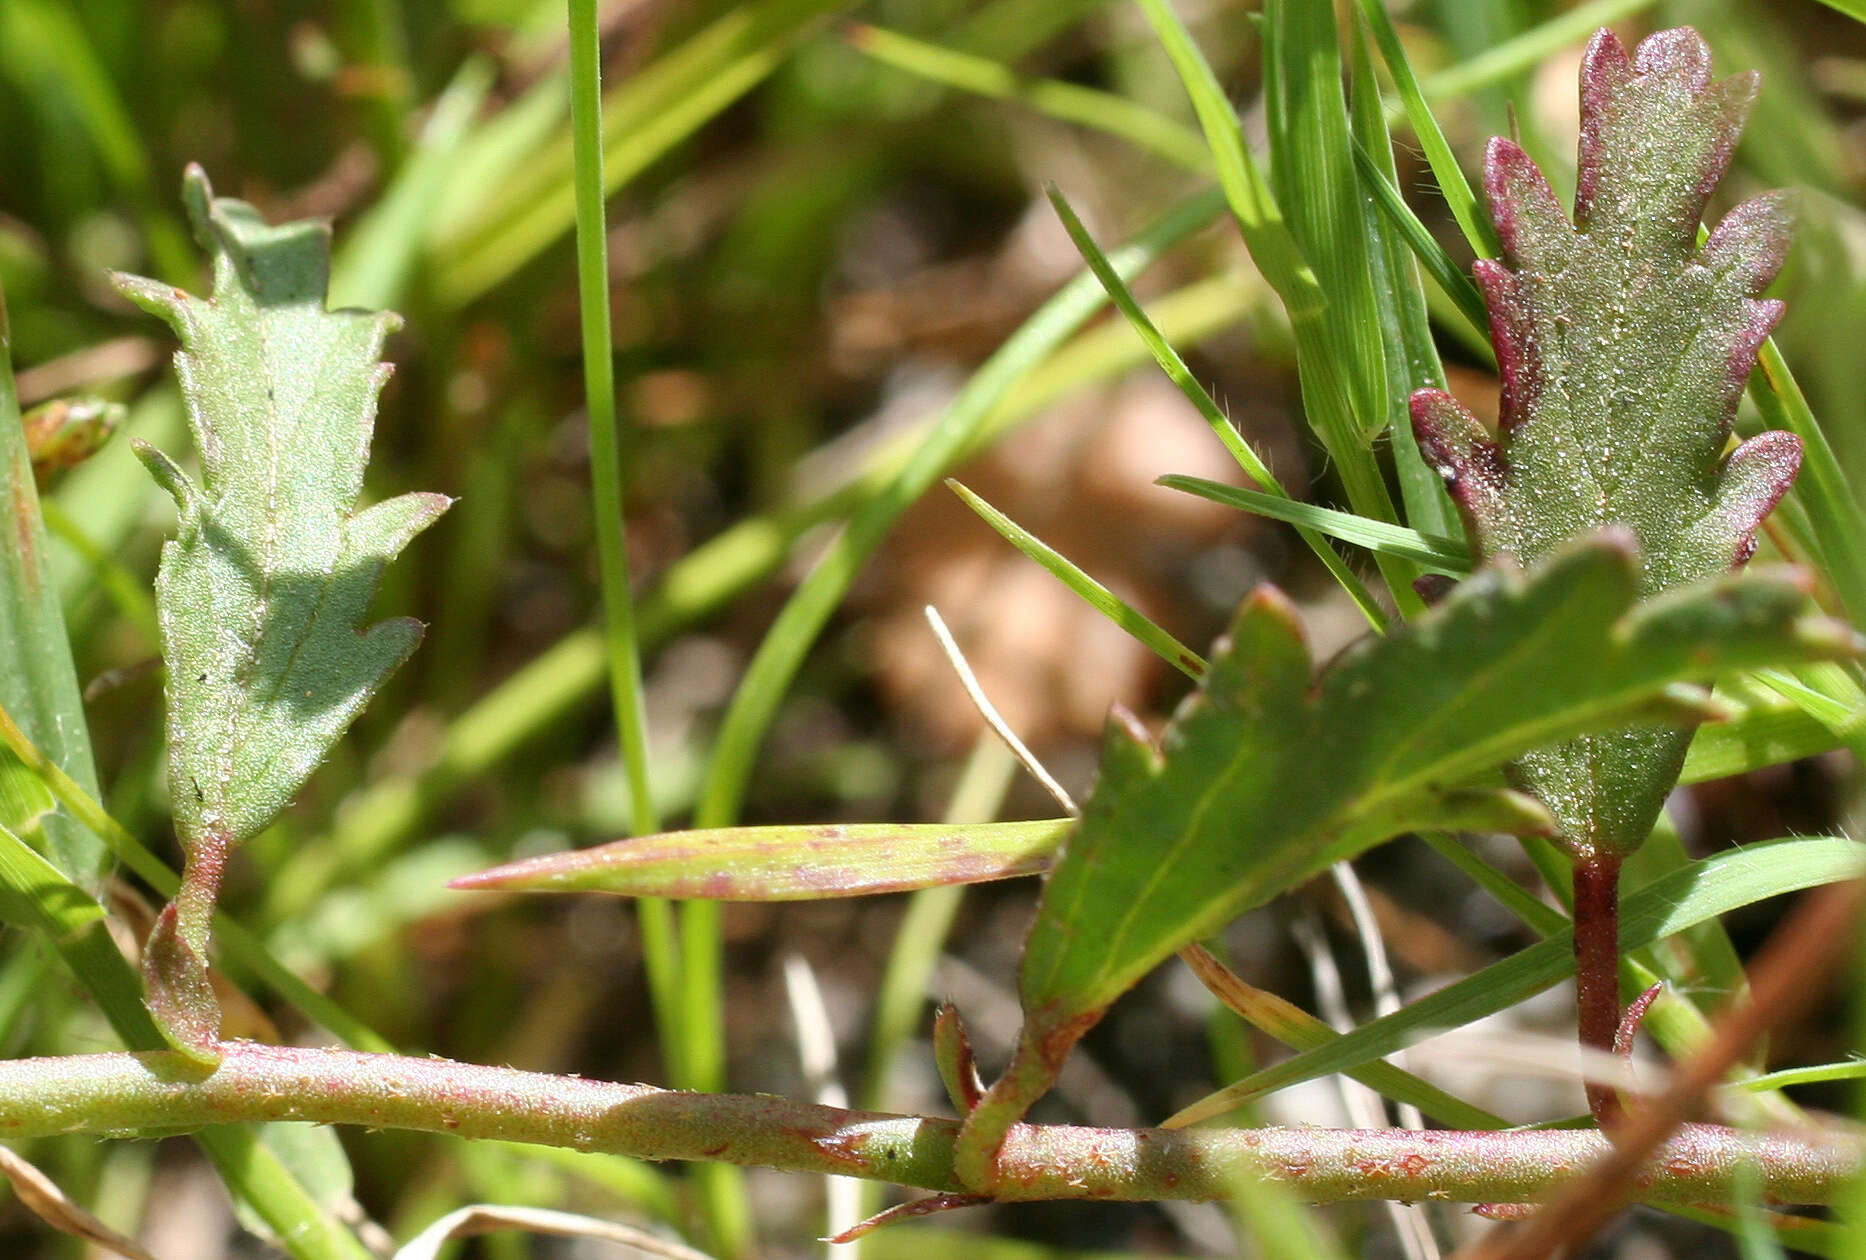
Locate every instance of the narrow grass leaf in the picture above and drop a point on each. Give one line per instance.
(1104, 601)
(1278, 1017)
(1837, 522)
(1399, 297)
(1528, 49)
(1703, 891)
(802, 862)
(38, 682)
(1431, 256)
(1181, 376)
(1452, 184)
(1331, 385)
(1065, 102)
(1444, 555)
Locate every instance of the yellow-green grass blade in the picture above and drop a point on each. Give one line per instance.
(1181, 376)
(791, 862)
(1704, 890)
(1441, 555)
(1104, 601)
(1065, 102)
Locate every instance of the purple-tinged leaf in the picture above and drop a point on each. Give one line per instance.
(789, 863)
(1623, 350)
(1269, 772)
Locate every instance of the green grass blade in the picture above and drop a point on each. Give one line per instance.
(1834, 513)
(1312, 172)
(1445, 555)
(1446, 274)
(620, 640)
(372, 266)
(1341, 362)
(1705, 890)
(680, 1024)
(1246, 191)
(1341, 387)
(1760, 734)
(1452, 184)
(659, 106)
(1399, 297)
(1814, 1074)
(1527, 50)
(1294, 1027)
(1181, 376)
(1104, 601)
(47, 49)
(38, 681)
(1065, 102)
(790, 862)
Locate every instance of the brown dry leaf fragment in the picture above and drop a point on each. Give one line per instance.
(46, 1201)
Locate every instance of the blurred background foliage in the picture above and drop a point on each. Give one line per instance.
(812, 244)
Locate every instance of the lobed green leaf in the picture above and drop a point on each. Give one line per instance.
(1267, 774)
(263, 590)
(1623, 349)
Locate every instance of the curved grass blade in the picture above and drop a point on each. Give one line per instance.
(38, 681)
(1443, 555)
(1431, 255)
(1104, 601)
(1452, 184)
(1181, 376)
(1065, 102)
(803, 862)
(1406, 340)
(1706, 889)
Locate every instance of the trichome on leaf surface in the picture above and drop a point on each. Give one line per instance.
(1607, 514)
(1624, 348)
(263, 589)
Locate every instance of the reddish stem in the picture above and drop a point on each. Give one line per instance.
(1597, 967)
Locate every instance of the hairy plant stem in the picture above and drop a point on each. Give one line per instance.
(1597, 967)
(127, 1095)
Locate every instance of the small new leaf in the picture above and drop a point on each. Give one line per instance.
(263, 590)
(1267, 774)
(1623, 350)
